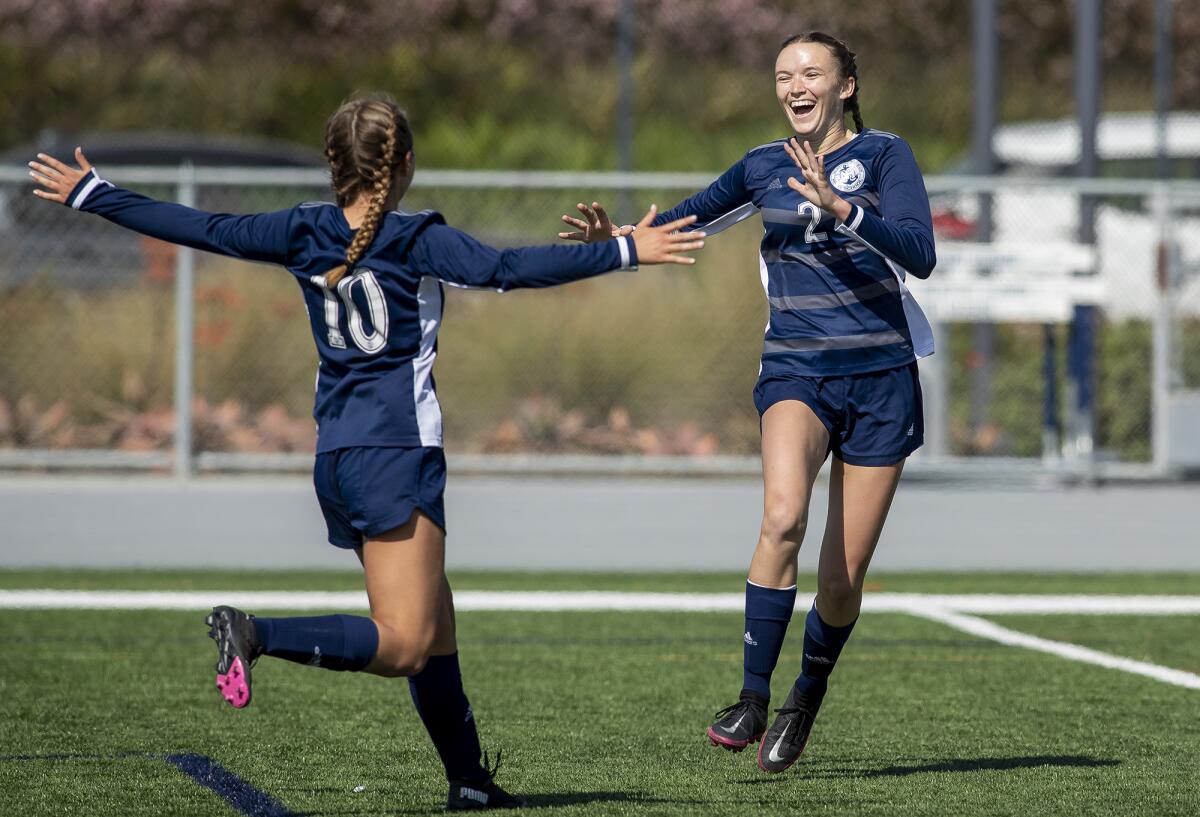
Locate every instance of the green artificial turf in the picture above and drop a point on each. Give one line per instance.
(604, 713)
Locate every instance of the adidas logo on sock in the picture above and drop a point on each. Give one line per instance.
(775, 184)
(749, 640)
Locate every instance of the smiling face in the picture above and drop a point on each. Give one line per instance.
(810, 88)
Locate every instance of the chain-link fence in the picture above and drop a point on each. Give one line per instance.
(656, 363)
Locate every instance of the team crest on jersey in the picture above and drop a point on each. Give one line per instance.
(848, 176)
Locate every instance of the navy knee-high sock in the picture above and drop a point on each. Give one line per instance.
(332, 642)
(822, 645)
(437, 692)
(768, 611)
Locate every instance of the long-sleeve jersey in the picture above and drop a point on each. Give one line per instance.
(836, 291)
(376, 331)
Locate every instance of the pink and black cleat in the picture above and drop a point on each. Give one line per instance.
(739, 725)
(237, 650)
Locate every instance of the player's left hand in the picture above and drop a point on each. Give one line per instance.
(816, 186)
(58, 178)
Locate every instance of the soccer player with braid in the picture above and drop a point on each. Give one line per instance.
(371, 277)
(845, 217)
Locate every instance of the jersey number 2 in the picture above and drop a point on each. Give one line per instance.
(813, 212)
(371, 343)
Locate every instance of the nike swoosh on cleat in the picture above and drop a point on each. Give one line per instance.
(774, 755)
(731, 729)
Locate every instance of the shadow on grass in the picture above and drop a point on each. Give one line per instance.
(532, 801)
(977, 764)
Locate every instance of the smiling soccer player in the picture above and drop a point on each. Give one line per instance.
(846, 216)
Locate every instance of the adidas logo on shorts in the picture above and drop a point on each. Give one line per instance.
(775, 184)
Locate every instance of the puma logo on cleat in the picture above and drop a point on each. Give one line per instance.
(473, 794)
(749, 640)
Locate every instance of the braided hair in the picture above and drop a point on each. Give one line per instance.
(847, 67)
(365, 141)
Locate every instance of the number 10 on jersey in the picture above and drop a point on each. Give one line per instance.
(370, 342)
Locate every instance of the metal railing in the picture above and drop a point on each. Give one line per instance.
(1146, 253)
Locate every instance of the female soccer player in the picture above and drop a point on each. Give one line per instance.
(371, 277)
(838, 370)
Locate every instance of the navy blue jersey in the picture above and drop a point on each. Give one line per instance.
(376, 331)
(836, 290)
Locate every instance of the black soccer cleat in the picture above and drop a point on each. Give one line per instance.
(237, 650)
(740, 725)
(784, 742)
(466, 795)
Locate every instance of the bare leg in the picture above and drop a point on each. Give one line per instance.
(409, 597)
(794, 445)
(859, 499)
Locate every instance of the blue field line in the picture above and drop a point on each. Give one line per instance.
(234, 790)
(240, 795)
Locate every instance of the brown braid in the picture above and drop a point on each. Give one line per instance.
(366, 140)
(847, 67)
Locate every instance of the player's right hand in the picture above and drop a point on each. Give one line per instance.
(58, 178)
(594, 226)
(662, 244)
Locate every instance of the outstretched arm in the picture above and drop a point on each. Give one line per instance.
(457, 258)
(261, 237)
(722, 204)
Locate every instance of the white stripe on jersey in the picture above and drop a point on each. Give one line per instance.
(428, 410)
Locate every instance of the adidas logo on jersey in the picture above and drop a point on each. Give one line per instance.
(749, 640)
(775, 184)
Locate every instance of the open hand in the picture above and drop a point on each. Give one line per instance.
(594, 226)
(661, 244)
(816, 186)
(58, 178)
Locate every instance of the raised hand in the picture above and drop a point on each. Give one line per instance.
(661, 244)
(594, 226)
(816, 186)
(58, 178)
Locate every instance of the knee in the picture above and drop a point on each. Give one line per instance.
(784, 522)
(842, 589)
(401, 655)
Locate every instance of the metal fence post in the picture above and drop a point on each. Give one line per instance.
(1161, 353)
(185, 268)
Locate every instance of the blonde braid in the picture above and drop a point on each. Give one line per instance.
(381, 186)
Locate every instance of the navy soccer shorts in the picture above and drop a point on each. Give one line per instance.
(367, 491)
(874, 418)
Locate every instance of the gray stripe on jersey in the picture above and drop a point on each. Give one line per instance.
(818, 260)
(777, 216)
(865, 198)
(835, 299)
(777, 345)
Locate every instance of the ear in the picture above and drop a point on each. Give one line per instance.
(848, 88)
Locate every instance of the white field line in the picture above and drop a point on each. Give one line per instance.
(1073, 652)
(548, 601)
